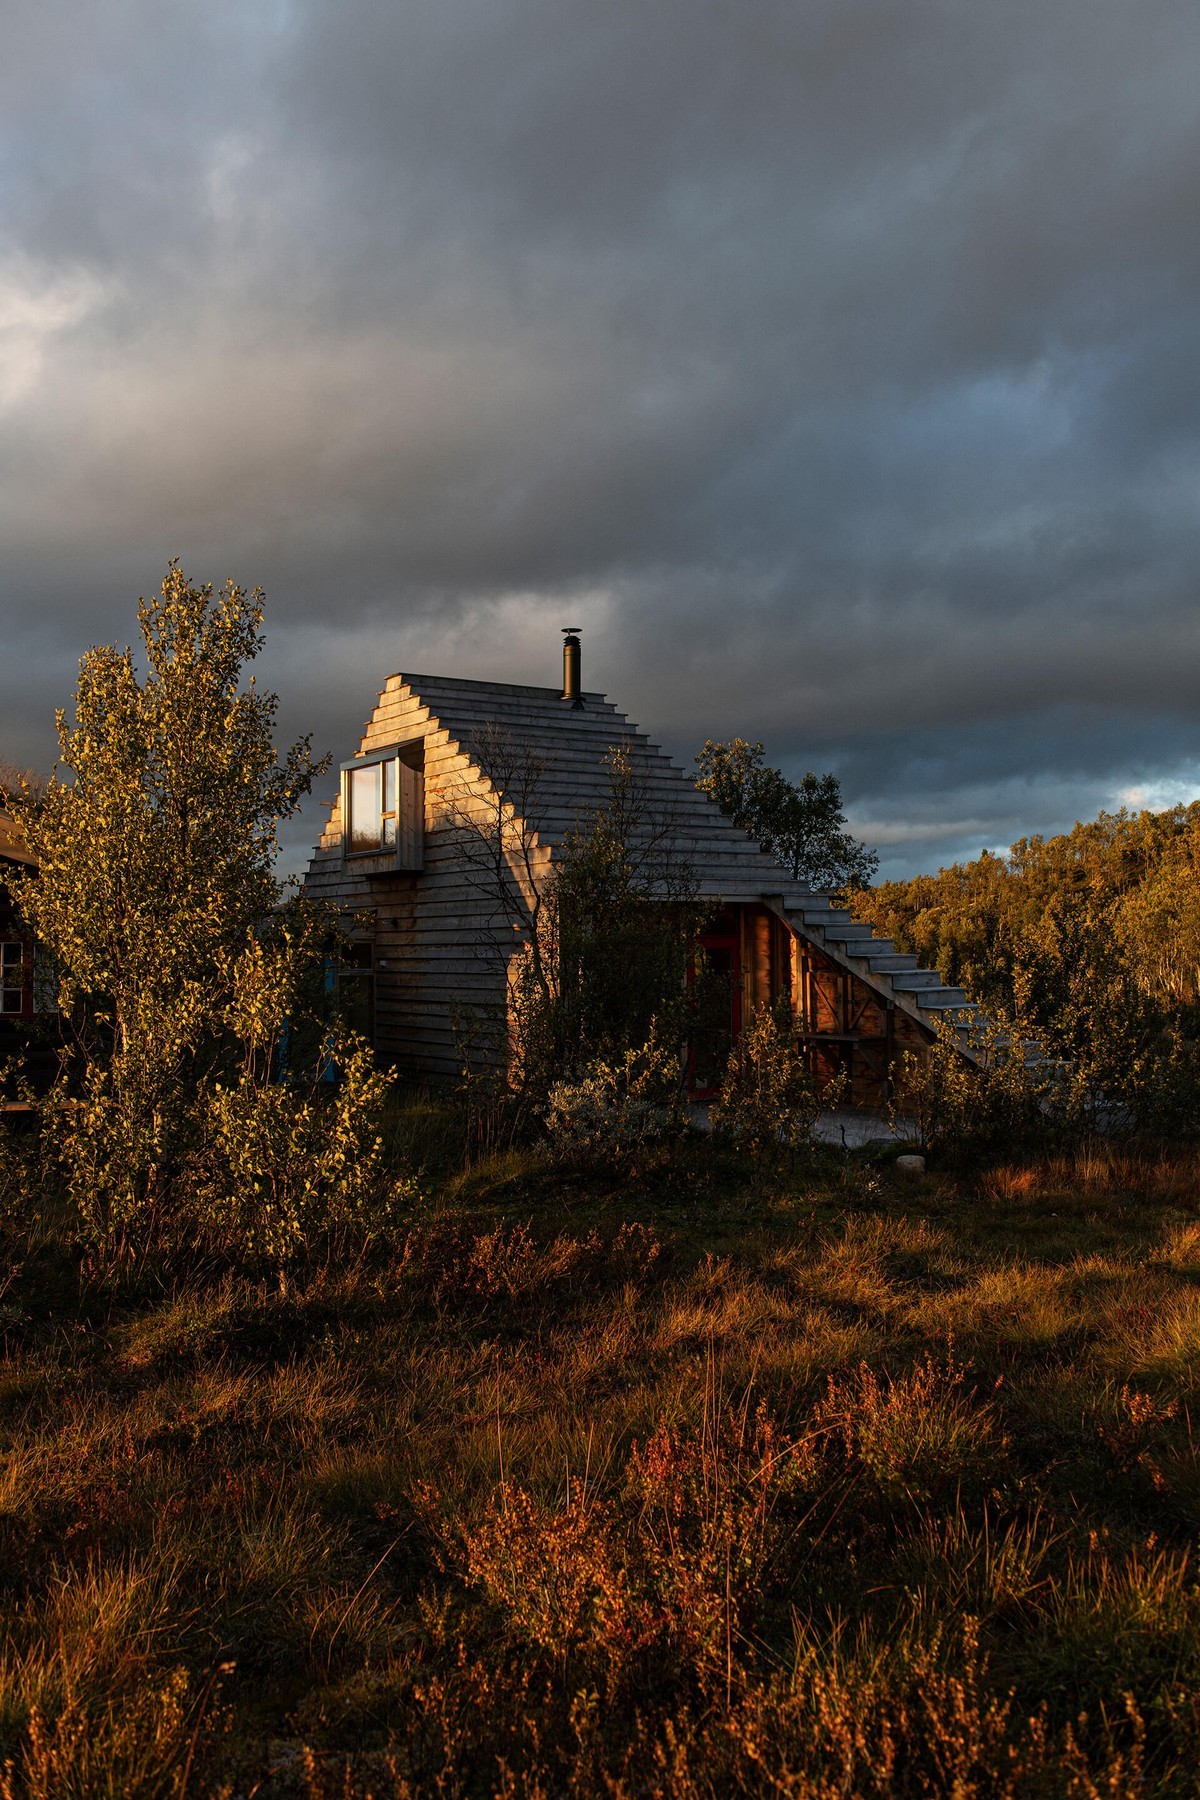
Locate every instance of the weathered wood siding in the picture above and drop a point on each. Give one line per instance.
(439, 951)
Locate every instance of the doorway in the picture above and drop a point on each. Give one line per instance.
(715, 989)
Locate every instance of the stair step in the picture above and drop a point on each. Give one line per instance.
(912, 979)
(850, 935)
(943, 999)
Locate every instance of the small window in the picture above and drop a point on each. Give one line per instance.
(12, 977)
(355, 977)
(383, 807)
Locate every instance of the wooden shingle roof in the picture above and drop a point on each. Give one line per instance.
(575, 742)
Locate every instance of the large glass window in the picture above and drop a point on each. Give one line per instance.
(371, 799)
(12, 977)
(383, 806)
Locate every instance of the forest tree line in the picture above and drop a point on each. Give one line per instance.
(1091, 936)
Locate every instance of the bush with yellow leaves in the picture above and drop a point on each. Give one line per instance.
(291, 1169)
(191, 1104)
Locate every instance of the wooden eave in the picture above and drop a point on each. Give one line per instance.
(13, 850)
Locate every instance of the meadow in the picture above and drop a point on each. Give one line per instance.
(808, 1479)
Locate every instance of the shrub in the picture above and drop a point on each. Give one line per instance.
(18, 1188)
(1013, 1095)
(620, 1111)
(594, 946)
(118, 1143)
(188, 1110)
(154, 885)
(769, 1099)
(998, 1101)
(288, 1165)
(656, 1581)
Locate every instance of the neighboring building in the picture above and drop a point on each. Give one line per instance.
(25, 995)
(16, 949)
(461, 785)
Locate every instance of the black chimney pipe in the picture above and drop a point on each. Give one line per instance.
(570, 687)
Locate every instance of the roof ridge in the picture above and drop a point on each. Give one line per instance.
(525, 689)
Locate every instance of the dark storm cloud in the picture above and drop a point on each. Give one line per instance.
(834, 363)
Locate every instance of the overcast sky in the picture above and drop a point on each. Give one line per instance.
(835, 364)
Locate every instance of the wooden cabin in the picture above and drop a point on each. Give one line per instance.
(445, 829)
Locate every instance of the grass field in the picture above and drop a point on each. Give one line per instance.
(820, 1482)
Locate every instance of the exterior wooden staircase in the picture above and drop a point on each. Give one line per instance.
(894, 975)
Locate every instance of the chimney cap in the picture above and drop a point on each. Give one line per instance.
(571, 655)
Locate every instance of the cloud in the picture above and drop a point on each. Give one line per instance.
(835, 363)
(36, 306)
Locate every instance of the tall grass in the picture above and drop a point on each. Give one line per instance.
(812, 1483)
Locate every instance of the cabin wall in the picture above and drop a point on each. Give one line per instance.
(848, 1028)
(442, 940)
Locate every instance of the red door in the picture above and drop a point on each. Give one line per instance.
(715, 982)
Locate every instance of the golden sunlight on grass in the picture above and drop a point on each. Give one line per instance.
(813, 1483)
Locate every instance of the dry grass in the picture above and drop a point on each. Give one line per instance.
(812, 1484)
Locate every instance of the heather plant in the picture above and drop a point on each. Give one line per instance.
(154, 1740)
(918, 1436)
(771, 1495)
(471, 1270)
(660, 1578)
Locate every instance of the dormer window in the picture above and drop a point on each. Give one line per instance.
(383, 808)
(371, 807)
